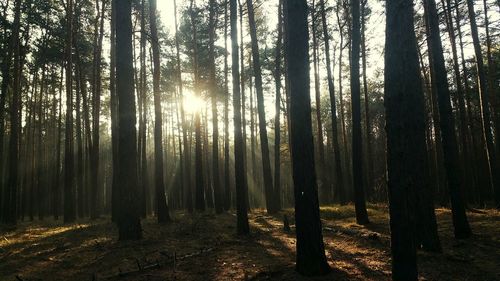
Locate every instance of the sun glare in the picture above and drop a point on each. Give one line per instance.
(192, 103)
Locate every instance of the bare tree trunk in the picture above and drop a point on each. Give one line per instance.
(333, 105)
(326, 192)
(95, 185)
(264, 142)
(69, 184)
(277, 125)
(487, 133)
(239, 147)
(404, 106)
(227, 172)
(200, 184)
(447, 124)
(215, 118)
(128, 211)
(357, 157)
(311, 259)
(161, 200)
(343, 195)
(368, 130)
(114, 115)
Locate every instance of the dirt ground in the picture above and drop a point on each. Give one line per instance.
(206, 247)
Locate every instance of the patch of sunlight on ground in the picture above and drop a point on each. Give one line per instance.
(36, 233)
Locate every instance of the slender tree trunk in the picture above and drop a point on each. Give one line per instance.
(96, 108)
(277, 119)
(239, 148)
(114, 115)
(368, 127)
(187, 162)
(495, 102)
(311, 259)
(447, 123)
(200, 184)
(69, 184)
(80, 83)
(264, 142)
(227, 172)
(466, 155)
(487, 133)
(161, 200)
(56, 194)
(357, 157)
(128, 215)
(333, 105)
(243, 97)
(6, 77)
(215, 118)
(343, 191)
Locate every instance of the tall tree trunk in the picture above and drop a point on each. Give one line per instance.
(405, 124)
(96, 108)
(326, 193)
(143, 114)
(277, 125)
(239, 148)
(227, 172)
(6, 77)
(357, 157)
(128, 212)
(161, 200)
(215, 118)
(69, 184)
(487, 132)
(187, 155)
(114, 115)
(466, 155)
(333, 105)
(200, 183)
(243, 96)
(10, 200)
(447, 123)
(56, 192)
(368, 130)
(343, 195)
(264, 142)
(493, 88)
(311, 259)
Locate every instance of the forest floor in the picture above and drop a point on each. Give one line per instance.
(207, 248)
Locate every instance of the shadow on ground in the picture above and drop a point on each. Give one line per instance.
(205, 247)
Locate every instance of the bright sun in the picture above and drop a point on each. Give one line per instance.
(192, 103)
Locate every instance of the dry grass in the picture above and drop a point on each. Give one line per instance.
(207, 248)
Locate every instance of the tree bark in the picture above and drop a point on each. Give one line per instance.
(69, 184)
(333, 105)
(311, 259)
(405, 124)
(215, 118)
(264, 142)
(277, 119)
(239, 148)
(357, 155)
(128, 215)
(161, 200)
(487, 132)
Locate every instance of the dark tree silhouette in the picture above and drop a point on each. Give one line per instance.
(161, 200)
(447, 123)
(128, 211)
(357, 156)
(311, 258)
(240, 175)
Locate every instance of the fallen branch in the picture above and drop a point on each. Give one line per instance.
(158, 264)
